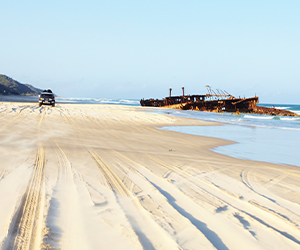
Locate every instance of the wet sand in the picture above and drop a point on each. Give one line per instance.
(104, 177)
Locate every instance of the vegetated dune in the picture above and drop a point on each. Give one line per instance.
(9, 86)
(104, 177)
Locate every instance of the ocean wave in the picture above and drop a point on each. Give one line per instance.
(290, 107)
(129, 101)
(259, 117)
(290, 119)
(98, 101)
(272, 118)
(286, 108)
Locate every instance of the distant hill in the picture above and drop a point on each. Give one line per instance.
(9, 86)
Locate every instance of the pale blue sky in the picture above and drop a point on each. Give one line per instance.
(139, 49)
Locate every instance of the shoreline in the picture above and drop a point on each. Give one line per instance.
(242, 147)
(111, 179)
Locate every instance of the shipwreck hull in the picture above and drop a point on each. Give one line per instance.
(214, 103)
(228, 105)
(198, 103)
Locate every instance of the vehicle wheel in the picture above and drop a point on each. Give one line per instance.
(53, 105)
(40, 104)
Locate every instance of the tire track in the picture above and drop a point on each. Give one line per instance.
(112, 179)
(31, 218)
(208, 235)
(207, 197)
(42, 116)
(192, 177)
(54, 238)
(25, 230)
(246, 179)
(236, 206)
(51, 237)
(127, 202)
(143, 227)
(171, 168)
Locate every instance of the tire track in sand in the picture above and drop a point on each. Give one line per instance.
(24, 231)
(236, 206)
(113, 181)
(131, 209)
(51, 236)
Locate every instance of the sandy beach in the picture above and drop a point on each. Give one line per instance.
(105, 177)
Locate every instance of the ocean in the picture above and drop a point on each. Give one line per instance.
(274, 139)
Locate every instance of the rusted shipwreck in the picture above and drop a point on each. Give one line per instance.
(214, 101)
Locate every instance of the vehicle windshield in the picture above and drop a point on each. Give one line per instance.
(47, 95)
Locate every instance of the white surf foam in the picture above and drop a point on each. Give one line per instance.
(259, 117)
(282, 107)
(290, 119)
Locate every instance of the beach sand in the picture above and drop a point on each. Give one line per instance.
(104, 177)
